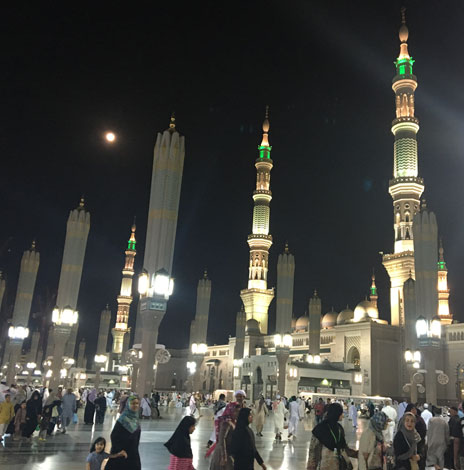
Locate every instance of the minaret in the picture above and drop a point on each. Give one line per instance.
(168, 165)
(373, 296)
(285, 281)
(258, 297)
(406, 187)
(200, 324)
(315, 310)
(104, 329)
(124, 298)
(77, 232)
(443, 291)
(22, 308)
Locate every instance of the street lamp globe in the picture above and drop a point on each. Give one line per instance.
(408, 355)
(163, 284)
(416, 356)
(435, 327)
(287, 340)
(277, 340)
(143, 283)
(421, 327)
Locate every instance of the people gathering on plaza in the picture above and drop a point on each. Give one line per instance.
(401, 436)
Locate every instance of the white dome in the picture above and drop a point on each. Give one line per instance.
(252, 327)
(345, 316)
(329, 319)
(302, 323)
(364, 311)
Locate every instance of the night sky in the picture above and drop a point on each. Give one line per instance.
(72, 72)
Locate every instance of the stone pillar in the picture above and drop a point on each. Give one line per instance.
(71, 342)
(60, 335)
(50, 343)
(65, 328)
(33, 351)
(315, 310)
(81, 355)
(168, 165)
(152, 313)
(430, 354)
(199, 326)
(22, 308)
(282, 355)
(103, 331)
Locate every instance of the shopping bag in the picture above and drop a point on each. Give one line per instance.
(75, 419)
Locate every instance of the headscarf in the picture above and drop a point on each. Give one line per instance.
(377, 425)
(33, 406)
(92, 395)
(409, 436)
(242, 420)
(129, 419)
(179, 443)
(228, 412)
(329, 432)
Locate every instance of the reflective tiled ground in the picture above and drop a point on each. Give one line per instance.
(70, 450)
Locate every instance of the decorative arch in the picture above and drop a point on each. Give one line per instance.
(353, 356)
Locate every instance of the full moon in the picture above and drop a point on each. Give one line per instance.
(110, 137)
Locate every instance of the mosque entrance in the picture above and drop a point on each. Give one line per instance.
(258, 385)
(353, 357)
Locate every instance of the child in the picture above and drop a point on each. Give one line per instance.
(97, 455)
(20, 420)
(179, 445)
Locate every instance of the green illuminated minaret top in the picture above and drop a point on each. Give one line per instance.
(404, 62)
(265, 148)
(131, 242)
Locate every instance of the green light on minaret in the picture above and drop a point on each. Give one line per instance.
(404, 66)
(373, 290)
(131, 245)
(264, 151)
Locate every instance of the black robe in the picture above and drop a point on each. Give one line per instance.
(244, 449)
(89, 412)
(122, 439)
(33, 410)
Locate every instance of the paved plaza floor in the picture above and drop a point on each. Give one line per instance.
(68, 451)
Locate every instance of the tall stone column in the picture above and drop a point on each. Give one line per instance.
(151, 318)
(285, 281)
(168, 166)
(200, 324)
(22, 308)
(65, 314)
(103, 331)
(315, 310)
(34, 350)
(50, 343)
(71, 342)
(81, 355)
(282, 355)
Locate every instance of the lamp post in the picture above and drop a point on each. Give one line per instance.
(198, 351)
(133, 358)
(16, 334)
(412, 359)
(99, 359)
(282, 345)
(429, 336)
(63, 320)
(154, 296)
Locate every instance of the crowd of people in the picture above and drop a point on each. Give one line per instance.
(402, 436)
